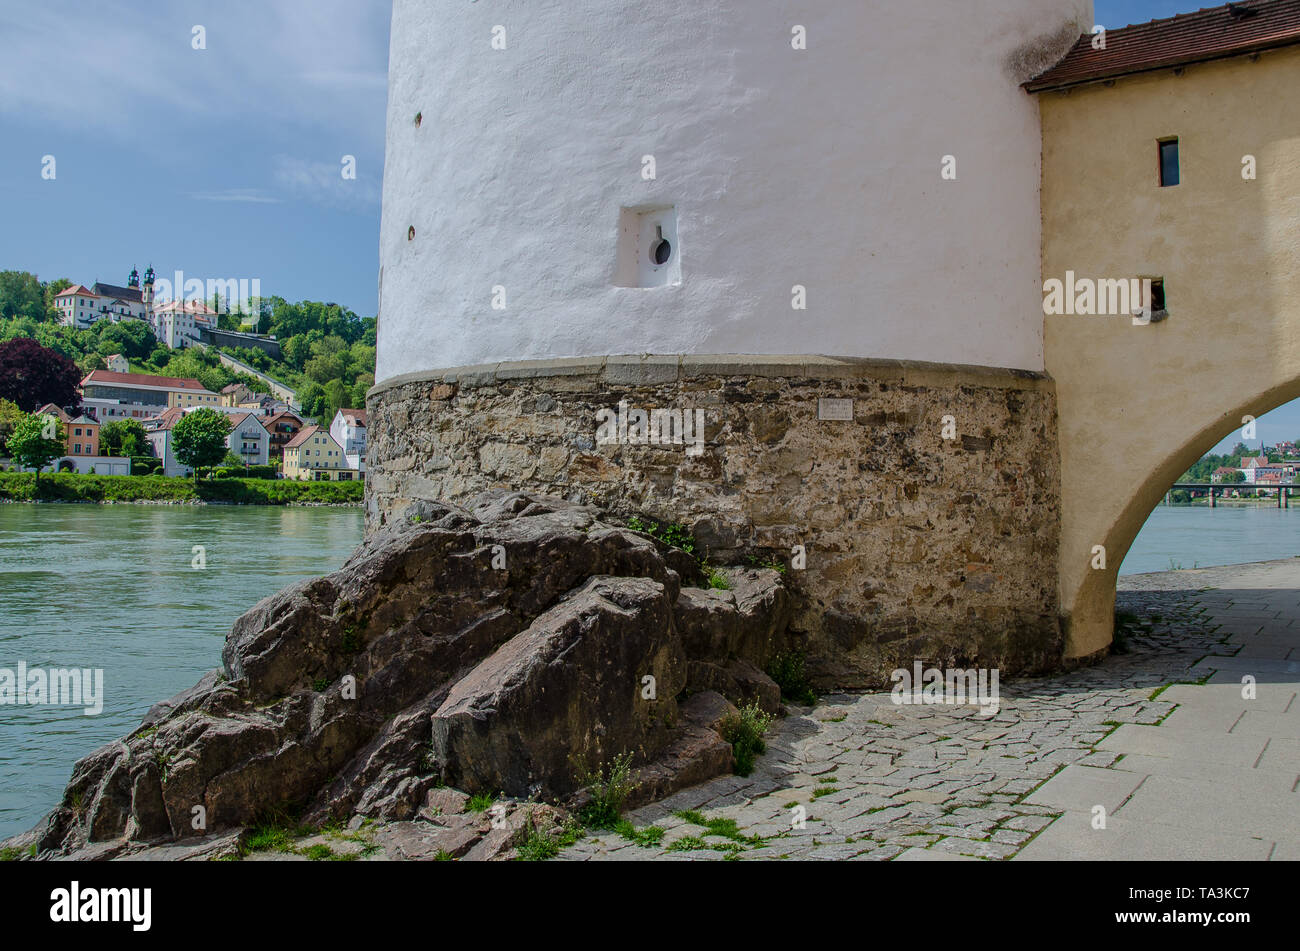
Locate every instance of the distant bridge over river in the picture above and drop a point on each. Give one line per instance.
(1283, 492)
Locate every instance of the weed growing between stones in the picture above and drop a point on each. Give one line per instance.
(788, 670)
(717, 580)
(673, 534)
(540, 845)
(744, 731)
(480, 802)
(720, 827)
(772, 563)
(608, 793)
(648, 837)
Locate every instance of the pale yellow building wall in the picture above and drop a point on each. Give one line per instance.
(1139, 404)
(302, 462)
(188, 398)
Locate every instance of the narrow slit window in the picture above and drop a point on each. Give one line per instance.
(1169, 173)
(1158, 297)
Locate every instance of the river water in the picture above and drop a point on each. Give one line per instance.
(115, 587)
(1191, 536)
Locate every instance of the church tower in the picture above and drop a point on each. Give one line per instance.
(146, 295)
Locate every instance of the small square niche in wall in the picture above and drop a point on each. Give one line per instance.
(648, 253)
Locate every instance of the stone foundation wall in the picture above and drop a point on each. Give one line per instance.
(926, 538)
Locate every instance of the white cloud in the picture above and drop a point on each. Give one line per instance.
(248, 195)
(322, 183)
(119, 67)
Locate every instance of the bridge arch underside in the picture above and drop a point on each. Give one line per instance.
(1114, 518)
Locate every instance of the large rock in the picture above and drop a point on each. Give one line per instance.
(567, 695)
(499, 647)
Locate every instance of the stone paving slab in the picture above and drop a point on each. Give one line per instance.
(1081, 787)
(1251, 665)
(1280, 754)
(1270, 698)
(1210, 807)
(1072, 838)
(1225, 750)
(1160, 737)
(1271, 781)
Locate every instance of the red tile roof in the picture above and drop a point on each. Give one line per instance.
(51, 410)
(1234, 29)
(238, 418)
(358, 416)
(110, 378)
(303, 436)
(169, 418)
(78, 290)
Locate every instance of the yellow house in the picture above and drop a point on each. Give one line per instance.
(314, 456)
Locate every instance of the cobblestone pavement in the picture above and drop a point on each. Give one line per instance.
(1192, 770)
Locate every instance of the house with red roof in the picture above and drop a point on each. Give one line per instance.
(314, 456)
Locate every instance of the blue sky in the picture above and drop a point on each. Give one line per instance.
(224, 162)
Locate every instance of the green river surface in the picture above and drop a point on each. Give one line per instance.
(114, 587)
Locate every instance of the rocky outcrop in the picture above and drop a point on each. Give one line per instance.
(504, 647)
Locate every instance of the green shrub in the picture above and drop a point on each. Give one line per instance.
(65, 487)
(744, 731)
(788, 670)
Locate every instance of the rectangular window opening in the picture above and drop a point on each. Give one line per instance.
(1169, 170)
(1158, 296)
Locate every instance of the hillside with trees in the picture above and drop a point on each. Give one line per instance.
(327, 350)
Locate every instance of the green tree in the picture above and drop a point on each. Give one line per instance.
(21, 295)
(124, 437)
(37, 441)
(199, 439)
(296, 351)
(337, 397)
(325, 368)
(131, 338)
(10, 416)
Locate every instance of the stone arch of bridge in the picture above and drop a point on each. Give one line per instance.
(1088, 592)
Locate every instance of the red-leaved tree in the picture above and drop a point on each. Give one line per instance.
(32, 375)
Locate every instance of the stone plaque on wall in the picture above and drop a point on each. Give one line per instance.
(834, 409)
